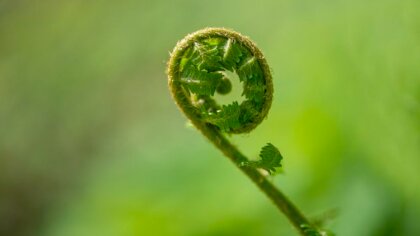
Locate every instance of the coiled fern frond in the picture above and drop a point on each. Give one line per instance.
(197, 70)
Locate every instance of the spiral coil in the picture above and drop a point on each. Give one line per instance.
(196, 71)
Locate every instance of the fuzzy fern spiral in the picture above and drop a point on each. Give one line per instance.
(197, 71)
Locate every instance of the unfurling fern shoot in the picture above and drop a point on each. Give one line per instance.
(197, 70)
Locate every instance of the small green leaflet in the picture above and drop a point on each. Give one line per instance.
(226, 118)
(248, 111)
(270, 159)
(254, 91)
(206, 57)
(201, 82)
(232, 54)
(249, 70)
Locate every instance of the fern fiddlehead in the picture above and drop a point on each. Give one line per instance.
(196, 71)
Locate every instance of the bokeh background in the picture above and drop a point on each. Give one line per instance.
(91, 142)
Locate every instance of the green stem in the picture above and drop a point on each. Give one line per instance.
(277, 197)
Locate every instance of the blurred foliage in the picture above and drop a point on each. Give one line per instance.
(92, 144)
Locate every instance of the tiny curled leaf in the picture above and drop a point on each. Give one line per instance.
(270, 159)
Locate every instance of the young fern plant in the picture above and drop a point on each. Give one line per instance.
(196, 71)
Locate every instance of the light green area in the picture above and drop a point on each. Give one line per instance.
(92, 144)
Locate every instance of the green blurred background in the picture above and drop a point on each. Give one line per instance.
(92, 144)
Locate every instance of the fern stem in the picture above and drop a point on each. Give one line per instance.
(277, 197)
